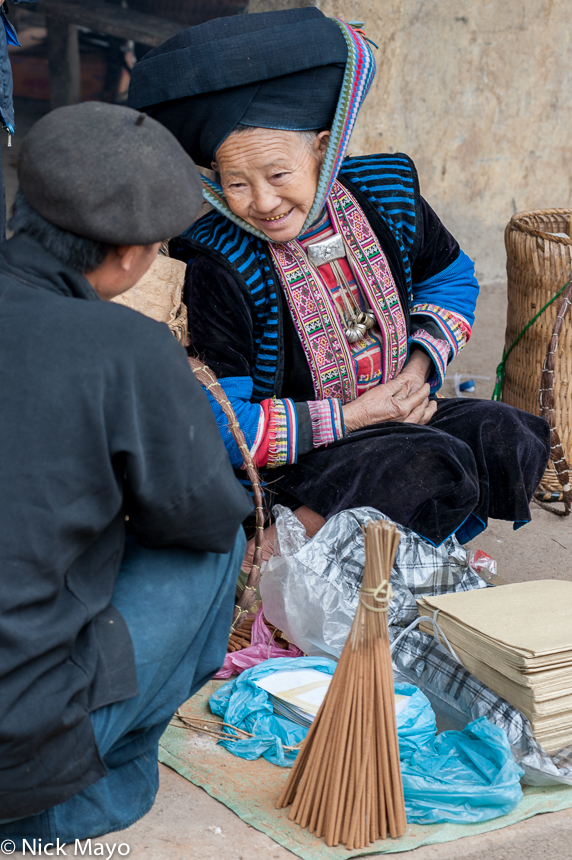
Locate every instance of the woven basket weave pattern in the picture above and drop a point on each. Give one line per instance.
(538, 266)
(158, 295)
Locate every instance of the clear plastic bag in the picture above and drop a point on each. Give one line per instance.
(310, 589)
(483, 564)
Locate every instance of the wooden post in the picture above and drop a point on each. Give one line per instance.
(63, 60)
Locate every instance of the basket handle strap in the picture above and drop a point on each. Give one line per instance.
(208, 379)
(547, 407)
(505, 354)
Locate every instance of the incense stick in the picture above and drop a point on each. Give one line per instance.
(346, 782)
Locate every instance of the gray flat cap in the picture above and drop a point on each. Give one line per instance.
(109, 173)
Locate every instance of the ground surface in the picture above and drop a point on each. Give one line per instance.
(186, 823)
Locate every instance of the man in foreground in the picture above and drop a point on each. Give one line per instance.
(103, 634)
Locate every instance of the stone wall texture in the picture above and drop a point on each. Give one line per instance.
(479, 94)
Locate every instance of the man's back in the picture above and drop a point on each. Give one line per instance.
(100, 418)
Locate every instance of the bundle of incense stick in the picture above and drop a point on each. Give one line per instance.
(346, 782)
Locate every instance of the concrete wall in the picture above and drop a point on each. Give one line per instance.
(479, 93)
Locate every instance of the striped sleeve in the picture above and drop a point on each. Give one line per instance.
(250, 416)
(275, 428)
(439, 352)
(442, 313)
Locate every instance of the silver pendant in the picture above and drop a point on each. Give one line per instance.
(355, 332)
(365, 318)
(327, 250)
(369, 320)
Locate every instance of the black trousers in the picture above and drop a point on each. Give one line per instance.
(476, 459)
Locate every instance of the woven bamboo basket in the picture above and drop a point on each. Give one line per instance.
(158, 295)
(538, 370)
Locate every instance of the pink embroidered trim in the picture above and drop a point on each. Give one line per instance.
(440, 352)
(282, 434)
(455, 328)
(327, 421)
(317, 323)
(313, 310)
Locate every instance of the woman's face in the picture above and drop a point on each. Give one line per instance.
(270, 178)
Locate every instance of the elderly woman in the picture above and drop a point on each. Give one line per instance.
(324, 291)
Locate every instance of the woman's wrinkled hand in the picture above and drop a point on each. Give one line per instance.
(390, 402)
(416, 372)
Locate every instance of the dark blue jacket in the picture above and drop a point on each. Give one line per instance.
(100, 417)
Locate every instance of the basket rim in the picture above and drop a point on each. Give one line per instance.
(516, 223)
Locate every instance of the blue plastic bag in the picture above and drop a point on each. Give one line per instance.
(463, 776)
(244, 705)
(416, 725)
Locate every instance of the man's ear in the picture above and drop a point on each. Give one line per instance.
(126, 255)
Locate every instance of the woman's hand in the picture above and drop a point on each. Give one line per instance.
(416, 372)
(390, 402)
(405, 398)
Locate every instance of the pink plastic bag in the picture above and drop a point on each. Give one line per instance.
(262, 648)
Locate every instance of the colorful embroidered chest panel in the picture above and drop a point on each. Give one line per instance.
(316, 313)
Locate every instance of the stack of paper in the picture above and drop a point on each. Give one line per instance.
(298, 693)
(516, 639)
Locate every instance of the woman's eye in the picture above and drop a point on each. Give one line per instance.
(279, 175)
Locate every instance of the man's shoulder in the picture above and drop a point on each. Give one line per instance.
(93, 328)
(119, 329)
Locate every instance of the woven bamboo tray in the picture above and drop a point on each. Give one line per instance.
(538, 371)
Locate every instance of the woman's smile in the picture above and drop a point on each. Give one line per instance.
(276, 223)
(278, 217)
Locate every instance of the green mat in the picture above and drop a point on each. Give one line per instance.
(251, 788)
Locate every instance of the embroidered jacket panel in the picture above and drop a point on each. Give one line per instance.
(241, 326)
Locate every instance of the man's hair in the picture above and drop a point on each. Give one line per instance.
(77, 252)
